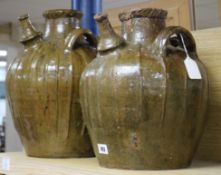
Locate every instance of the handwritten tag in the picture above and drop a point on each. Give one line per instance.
(192, 69)
(102, 149)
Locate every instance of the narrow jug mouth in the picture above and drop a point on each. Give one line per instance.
(143, 13)
(62, 13)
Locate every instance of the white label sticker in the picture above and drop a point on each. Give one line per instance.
(102, 148)
(192, 69)
(6, 163)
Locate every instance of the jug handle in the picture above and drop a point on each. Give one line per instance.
(72, 39)
(173, 39)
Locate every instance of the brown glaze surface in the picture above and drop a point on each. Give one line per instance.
(138, 100)
(43, 89)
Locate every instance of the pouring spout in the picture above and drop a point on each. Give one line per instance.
(28, 31)
(108, 38)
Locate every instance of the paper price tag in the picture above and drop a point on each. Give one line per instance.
(192, 69)
(102, 148)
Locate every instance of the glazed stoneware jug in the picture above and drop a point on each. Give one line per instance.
(43, 86)
(143, 106)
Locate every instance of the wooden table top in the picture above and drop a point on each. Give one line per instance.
(20, 164)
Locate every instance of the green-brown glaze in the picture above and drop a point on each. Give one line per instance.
(43, 87)
(138, 99)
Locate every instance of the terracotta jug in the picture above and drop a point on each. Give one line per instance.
(142, 107)
(43, 86)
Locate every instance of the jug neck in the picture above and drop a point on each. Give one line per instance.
(57, 29)
(59, 23)
(142, 26)
(145, 30)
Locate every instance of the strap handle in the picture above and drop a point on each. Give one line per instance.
(173, 39)
(73, 38)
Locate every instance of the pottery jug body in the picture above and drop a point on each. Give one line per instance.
(142, 107)
(43, 86)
